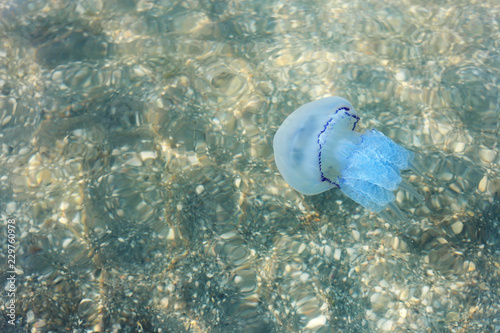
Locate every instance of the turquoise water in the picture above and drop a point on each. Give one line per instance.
(136, 158)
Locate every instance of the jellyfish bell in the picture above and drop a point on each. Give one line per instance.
(299, 140)
(317, 148)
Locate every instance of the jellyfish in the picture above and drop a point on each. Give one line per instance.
(318, 148)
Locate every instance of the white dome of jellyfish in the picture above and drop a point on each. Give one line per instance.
(318, 148)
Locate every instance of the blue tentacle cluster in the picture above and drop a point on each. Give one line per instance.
(372, 172)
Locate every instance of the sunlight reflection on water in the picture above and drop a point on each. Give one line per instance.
(137, 156)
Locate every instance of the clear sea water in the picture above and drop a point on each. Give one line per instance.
(136, 160)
